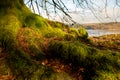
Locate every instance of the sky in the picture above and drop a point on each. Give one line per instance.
(95, 12)
(99, 14)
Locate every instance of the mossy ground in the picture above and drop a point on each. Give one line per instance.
(28, 41)
(91, 59)
(111, 42)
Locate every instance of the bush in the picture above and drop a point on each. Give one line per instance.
(73, 31)
(83, 33)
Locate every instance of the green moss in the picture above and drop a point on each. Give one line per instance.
(91, 59)
(3, 66)
(33, 43)
(104, 75)
(48, 74)
(80, 34)
(37, 53)
(83, 33)
(55, 32)
(68, 51)
(37, 22)
(33, 20)
(32, 36)
(20, 64)
(69, 37)
(73, 31)
(56, 24)
(98, 64)
(9, 26)
(23, 67)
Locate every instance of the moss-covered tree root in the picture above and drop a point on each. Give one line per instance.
(95, 62)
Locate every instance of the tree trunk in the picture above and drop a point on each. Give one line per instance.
(11, 3)
(14, 15)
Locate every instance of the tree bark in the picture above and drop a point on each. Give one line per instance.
(11, 3)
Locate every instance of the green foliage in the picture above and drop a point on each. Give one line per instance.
(80, 34)
(83, 33)
(54, 32)
(72, 35)
(73, 31)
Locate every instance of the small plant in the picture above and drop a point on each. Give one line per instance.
(83, 33)
(73, 31)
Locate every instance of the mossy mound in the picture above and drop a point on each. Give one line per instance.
(56, 24)
(83, 33)
(93, 60)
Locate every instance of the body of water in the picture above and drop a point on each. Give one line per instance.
(102, 32)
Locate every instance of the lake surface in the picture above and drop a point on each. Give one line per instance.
(102, 32)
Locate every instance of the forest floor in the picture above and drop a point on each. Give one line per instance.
(108, 42)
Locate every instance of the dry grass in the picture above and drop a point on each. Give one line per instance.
(111, 42)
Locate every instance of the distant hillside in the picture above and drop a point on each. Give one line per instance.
(109, 26)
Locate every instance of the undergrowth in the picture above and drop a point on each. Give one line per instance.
(93, 60)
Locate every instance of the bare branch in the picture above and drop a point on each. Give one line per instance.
(59, 7)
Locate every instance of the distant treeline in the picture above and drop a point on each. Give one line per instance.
(108, 26)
